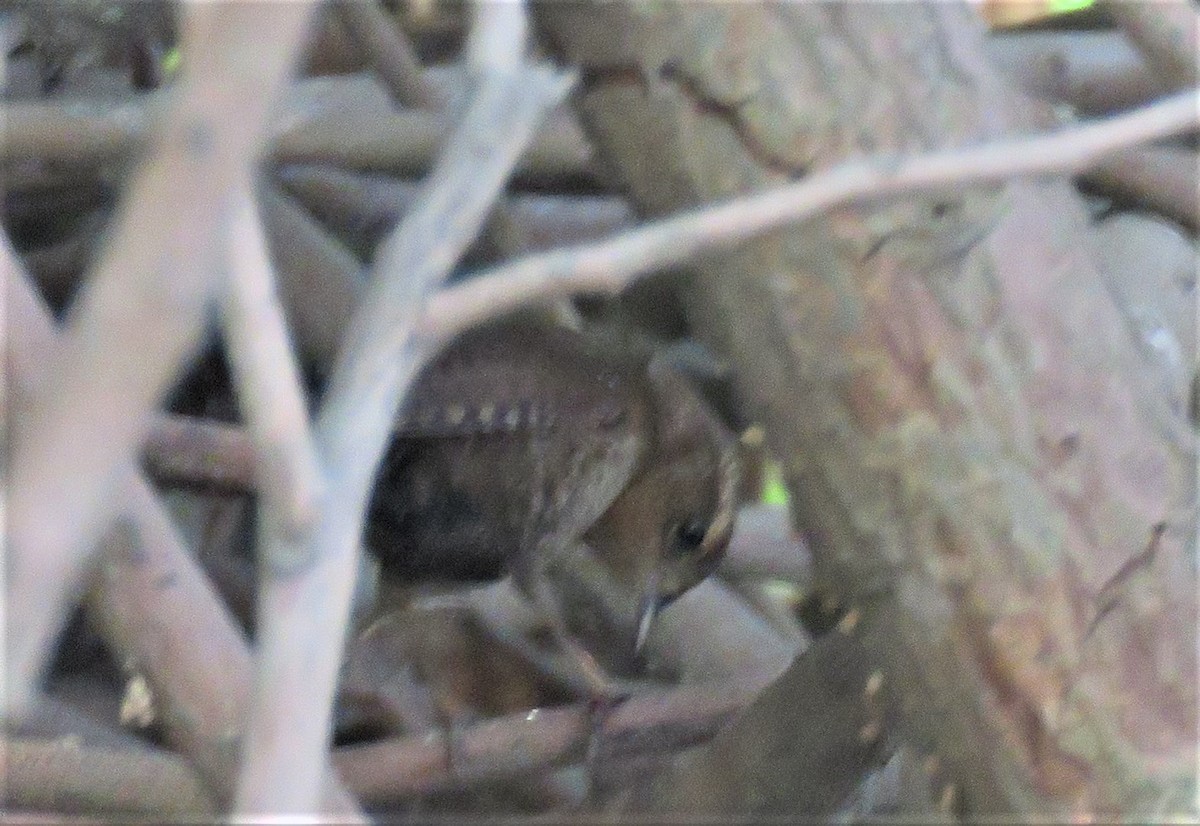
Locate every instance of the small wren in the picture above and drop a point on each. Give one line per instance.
(591, 472)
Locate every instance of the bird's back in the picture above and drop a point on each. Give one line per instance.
(512, 432)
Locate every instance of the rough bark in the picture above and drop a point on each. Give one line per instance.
(972, 450)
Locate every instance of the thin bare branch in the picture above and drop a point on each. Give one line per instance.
(496, 42)
(159, 783)
(389, 53)
(187, 451)
(608, 266)
(1167, 33)
(140, 315)
(82, 133)
(304, 616)
(359, 205)
(270, 392)
(347, 121)
(154, 605)
(528, 741)
(60, 773)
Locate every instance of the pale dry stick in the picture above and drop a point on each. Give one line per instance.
(350, 119)
(389, 52)
(609, 266)
(304, 616)
(496, 43)
(496, 40)
(291, 485)
(155, 606)
(1167, 33)
(140, 314)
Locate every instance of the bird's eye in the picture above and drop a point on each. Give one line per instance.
(688, 536)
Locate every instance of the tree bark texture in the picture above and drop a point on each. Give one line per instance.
(971, 446)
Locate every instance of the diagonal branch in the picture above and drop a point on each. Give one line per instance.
(150, 287)
(154, 604)
(390, 53)
(608, 266)
(270, 391)
(304, 615)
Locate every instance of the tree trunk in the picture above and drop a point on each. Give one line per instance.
(971, 446)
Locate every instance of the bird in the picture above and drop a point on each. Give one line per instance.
(582, 465)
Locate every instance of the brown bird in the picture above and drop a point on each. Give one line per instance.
(589, 471)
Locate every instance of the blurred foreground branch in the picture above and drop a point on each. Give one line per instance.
(152, 283)
(608, 266)
(153, 603)
(304, 614)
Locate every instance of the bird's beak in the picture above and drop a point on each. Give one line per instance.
(651, 605)
(646, 614)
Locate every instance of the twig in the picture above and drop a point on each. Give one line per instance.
(157, 782)
(64, 776)
(529, 741)
(496, 41)
(389, 52)
(150, 287)
(183, 450)
(82, 133)
(156, 607)
(352, 123)
(128, 604)
(304, 617)
(1167, 33)
(348, 121)
(359, 205)
(270, 393)
(608, 266)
